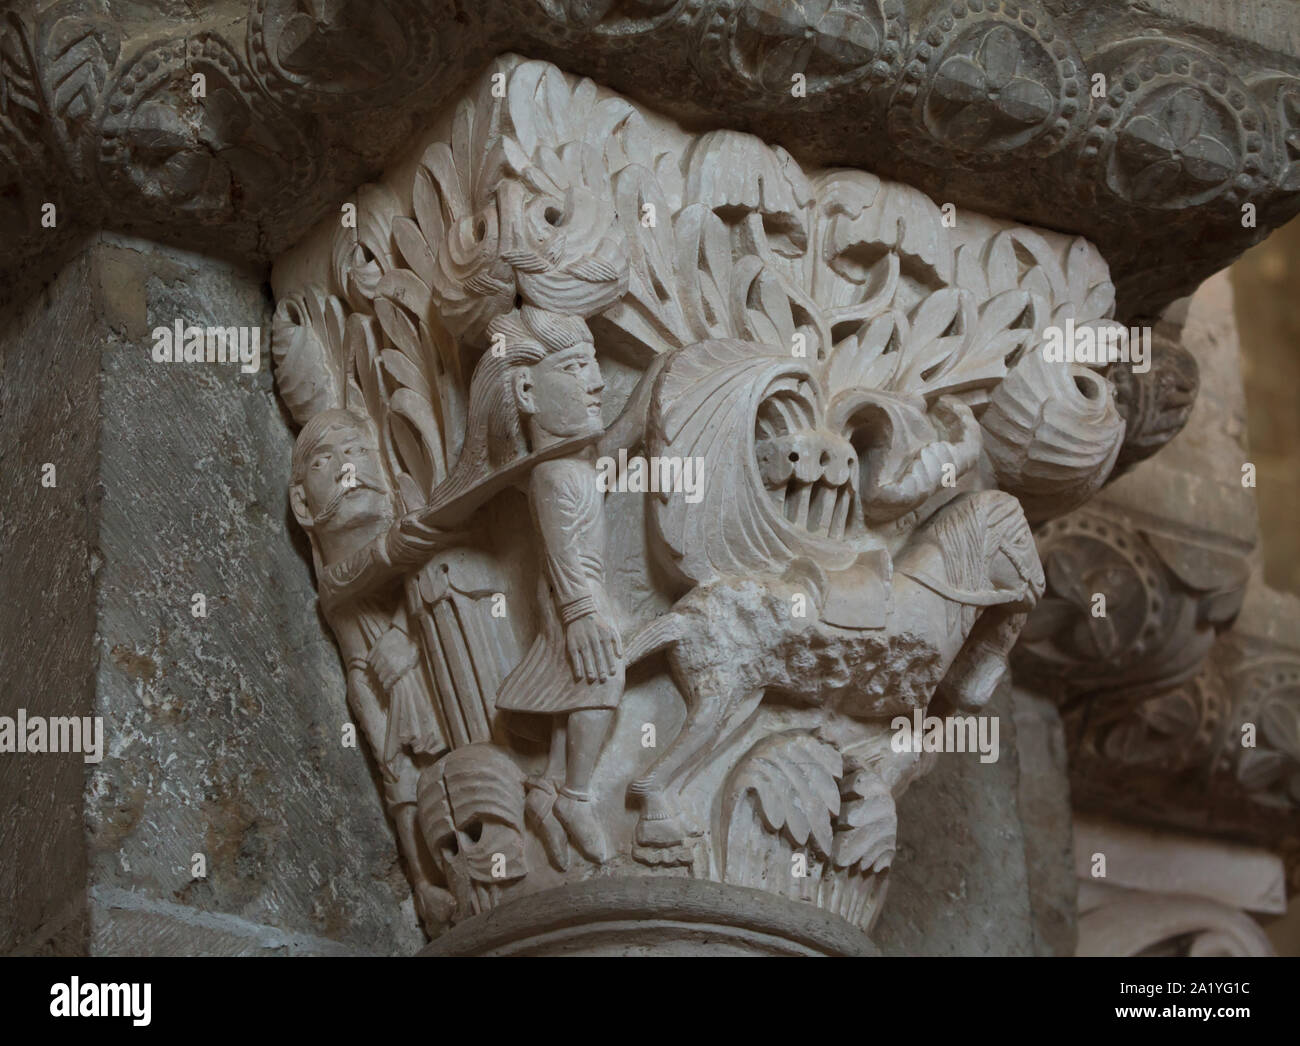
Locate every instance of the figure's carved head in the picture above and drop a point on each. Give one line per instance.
(1010, 551)
(538, 382)
(560, 394)
(557, 395)
(338, 481)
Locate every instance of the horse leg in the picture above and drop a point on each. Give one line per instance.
(708, 703)
(982, 662)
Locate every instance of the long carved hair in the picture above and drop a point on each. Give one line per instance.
(495, 433)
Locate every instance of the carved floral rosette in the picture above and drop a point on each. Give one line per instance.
(862, 383)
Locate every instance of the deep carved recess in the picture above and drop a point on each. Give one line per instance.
(1148, 139)
(700, 680)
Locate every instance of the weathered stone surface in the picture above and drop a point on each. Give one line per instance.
(985, 864)
(960, 884)
(1157, 893)
(619, 918)
(1043, 801)
(49, 538)
(1263, 283)
(223, 734)
(1139, 858)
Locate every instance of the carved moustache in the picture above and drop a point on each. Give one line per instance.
(332, 506)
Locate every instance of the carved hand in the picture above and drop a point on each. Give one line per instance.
(595, 648)
(392, 657)
(411, 541)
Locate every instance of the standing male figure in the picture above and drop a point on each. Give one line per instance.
(340, 496)
(542, 385)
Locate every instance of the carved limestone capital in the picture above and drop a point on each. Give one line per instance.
(729, 464)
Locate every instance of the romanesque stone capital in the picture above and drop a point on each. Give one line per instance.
(659, 485)
(1173, 664)
(1217, 752)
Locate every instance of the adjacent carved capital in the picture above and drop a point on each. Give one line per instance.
(1128, 609)
(1216, 751)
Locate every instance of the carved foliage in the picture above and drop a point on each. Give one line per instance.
(802, 820)
(1266, 688)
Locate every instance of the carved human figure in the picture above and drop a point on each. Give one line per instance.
(340, 496)
(574, 670)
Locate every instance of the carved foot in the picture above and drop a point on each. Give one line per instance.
(539, 808)
(434, 906)
(661, 823)
(577, 813)
(660, 831)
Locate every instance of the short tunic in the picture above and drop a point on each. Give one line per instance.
(569, 515)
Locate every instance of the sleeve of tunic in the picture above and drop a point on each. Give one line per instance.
(559, 499)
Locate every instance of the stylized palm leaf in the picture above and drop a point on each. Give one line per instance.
(867, 829)
(794, 780)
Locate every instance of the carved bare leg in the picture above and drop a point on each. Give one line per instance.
(709, 706)
(587, 729)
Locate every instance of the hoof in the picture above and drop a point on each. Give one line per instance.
(660, 831)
